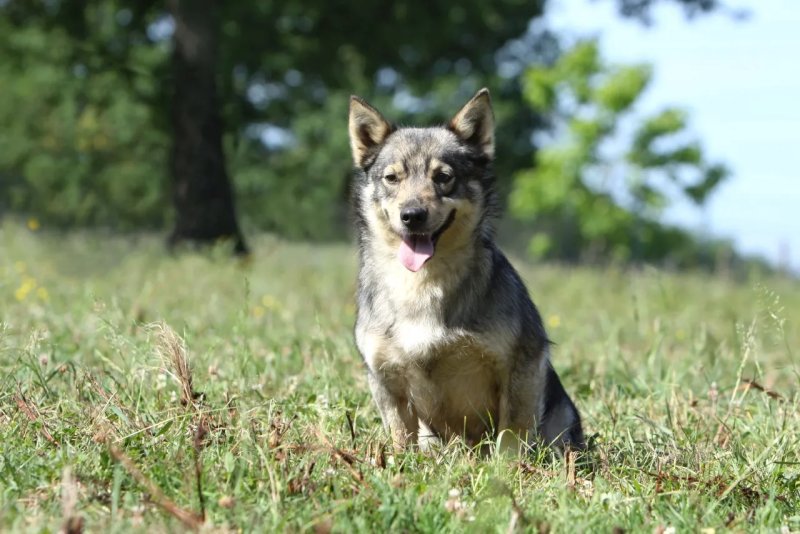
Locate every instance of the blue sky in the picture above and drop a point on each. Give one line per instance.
(741, 83)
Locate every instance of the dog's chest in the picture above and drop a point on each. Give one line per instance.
(450, 378)
(451, 375)
(418, 311)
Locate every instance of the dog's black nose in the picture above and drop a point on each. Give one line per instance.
(414, 217)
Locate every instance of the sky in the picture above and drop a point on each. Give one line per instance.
(740, 81)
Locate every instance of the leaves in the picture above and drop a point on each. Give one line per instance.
(87, 123)
(579, 189)
(622, 87)
(86, 91)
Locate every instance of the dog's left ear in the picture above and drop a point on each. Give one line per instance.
(474, 123)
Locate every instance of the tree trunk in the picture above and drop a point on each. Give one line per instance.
(201, 191)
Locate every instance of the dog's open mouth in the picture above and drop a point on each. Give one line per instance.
(416, 249)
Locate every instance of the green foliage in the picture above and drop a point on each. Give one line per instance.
(656, 362)
(86, 88)
(77, 146)
(291, 65)
(641, 9)
(584, 196)
(300, 192)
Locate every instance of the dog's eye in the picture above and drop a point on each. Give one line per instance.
(391, 178)
(442, 178)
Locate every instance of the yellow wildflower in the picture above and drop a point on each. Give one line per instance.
(33, 224)
(28, 284)
(258, 311)
(554, 321)
(42, 294)
(270, 302)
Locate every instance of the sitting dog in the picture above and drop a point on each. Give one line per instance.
(452, 342)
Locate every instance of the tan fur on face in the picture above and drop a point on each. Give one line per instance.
(439, 167)
(421, 189)
(397, 169)
(453, 249)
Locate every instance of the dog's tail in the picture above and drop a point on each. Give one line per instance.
(561, 422)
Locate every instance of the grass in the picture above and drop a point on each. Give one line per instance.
(688, 385)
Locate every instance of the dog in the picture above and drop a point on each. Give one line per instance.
(452, 342)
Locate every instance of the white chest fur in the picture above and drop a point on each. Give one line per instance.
(418, 313)
(417, 338)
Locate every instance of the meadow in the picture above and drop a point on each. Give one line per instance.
(143, 391)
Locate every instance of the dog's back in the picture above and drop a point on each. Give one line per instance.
(452, 342)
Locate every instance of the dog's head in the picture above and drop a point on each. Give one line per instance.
(427, 188)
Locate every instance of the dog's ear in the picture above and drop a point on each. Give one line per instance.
(474, 123)
(368, 130)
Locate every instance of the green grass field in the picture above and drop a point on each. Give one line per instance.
(688, 385)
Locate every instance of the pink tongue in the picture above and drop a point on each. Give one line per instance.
(414, 251)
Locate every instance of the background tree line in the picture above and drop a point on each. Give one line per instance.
(147, 114)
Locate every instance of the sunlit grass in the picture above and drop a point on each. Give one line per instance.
(688, 385)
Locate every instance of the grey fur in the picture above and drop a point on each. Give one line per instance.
(456, 348)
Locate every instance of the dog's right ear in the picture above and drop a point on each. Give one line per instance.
(368, 130)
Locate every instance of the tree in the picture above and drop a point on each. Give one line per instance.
(641, 9)
(281, 71)
(201, 189)
(587, 198)
(83, 140)
(287, 66)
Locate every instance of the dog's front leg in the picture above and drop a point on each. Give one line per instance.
(507, 441)
(513, 426)
(399, 416)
